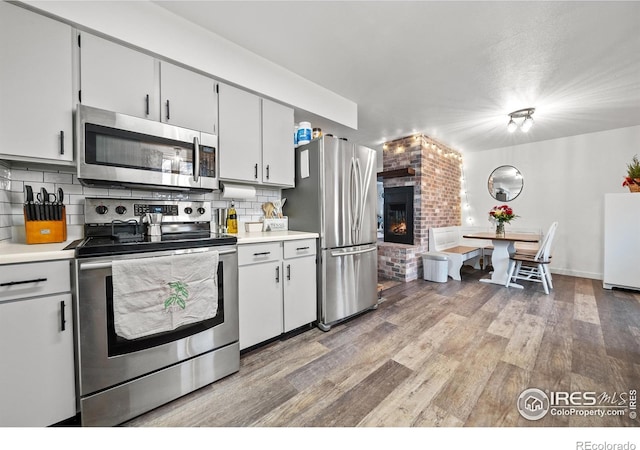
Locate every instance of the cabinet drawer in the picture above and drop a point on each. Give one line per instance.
(302, 247)
(34, 279)
(258, 253)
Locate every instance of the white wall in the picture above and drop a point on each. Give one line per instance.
(564, 180)
(148, 26)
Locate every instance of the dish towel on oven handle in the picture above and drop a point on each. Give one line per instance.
(158, 294)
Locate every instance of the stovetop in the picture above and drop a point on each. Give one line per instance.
(107, 246)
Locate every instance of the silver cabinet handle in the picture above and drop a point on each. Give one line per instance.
(168, 110)
(354, 252)
(62, 142)
(288, 271)
(278, 274)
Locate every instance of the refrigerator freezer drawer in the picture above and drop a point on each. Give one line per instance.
(349, 282)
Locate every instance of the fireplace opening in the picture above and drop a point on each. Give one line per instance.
(398, 215)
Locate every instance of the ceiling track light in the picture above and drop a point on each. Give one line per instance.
(526, 124)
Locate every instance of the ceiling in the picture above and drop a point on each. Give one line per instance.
(451, 70)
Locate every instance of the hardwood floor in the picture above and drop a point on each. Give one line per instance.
(450, 354)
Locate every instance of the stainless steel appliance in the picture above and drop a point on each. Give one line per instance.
(120, 378)
(335, 196)
(117, 150)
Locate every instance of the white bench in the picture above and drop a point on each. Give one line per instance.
(459, 250)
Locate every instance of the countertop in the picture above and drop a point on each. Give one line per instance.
(13, 252)
(271, 236)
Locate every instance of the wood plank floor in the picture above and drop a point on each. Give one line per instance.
(450, 354)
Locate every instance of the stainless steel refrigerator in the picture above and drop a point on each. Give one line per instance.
(335, 196)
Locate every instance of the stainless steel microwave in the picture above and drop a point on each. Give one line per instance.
(118, 150)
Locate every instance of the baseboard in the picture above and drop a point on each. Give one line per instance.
(577, 273)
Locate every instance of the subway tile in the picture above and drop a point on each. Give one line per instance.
(17, 186)
(17, 219)
(5, 220)
(27, 175)
(95, 192)
(77, 209)
(58, 177)
(70, 188)
(120, 193)
(5, 234)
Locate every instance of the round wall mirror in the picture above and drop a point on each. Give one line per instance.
(505, 183)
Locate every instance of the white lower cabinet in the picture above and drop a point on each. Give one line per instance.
(37, 381)
(277, 288)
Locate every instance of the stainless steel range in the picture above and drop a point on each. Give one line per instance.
(125, 365)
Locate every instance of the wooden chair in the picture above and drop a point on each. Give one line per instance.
(534, 267)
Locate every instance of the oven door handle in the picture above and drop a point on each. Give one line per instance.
(107, 264)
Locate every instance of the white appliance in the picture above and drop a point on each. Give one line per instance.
(335, 196)
(621, 241)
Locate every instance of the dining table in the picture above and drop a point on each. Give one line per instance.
(503, 248)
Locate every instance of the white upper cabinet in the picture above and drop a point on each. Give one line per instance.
(117, 78)
(239, 138)
(120, 79)
(277, 144)
(256, 139)
(36, 98)
(189, 99)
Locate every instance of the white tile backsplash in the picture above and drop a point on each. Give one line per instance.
(13, 180)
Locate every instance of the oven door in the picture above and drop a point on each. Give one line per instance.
(124, 151)
(106, 360)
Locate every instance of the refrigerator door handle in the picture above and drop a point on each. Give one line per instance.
(353, 252)
(360, 199)
(353, 188)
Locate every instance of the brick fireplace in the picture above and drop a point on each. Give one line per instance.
(433, 172)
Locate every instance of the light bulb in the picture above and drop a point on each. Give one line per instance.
(511, 126)
(527, 124)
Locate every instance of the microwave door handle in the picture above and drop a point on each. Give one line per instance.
(196, 159)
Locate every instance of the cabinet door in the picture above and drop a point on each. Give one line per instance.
(239, 137)
(189, 99)
(36, 99)
(277, 144)
(117, 78)
(37, 381)
(260, 301)
(300, 305)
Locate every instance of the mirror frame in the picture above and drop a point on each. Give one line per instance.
(489, 183)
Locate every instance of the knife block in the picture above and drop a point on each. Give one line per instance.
(45, 231)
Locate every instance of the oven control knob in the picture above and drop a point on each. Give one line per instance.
(201, 210)
(121, 209)
(188, 210)
(101, 209)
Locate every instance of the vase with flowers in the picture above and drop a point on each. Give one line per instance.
(632, 180)
(501, 215)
